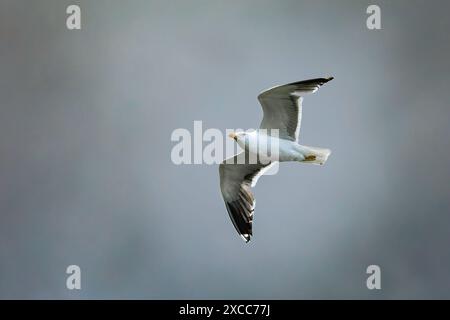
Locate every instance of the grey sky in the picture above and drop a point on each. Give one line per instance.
(85, 171)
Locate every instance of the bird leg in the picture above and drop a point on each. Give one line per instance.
(310, 158)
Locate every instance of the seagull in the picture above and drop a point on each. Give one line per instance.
(282, 107)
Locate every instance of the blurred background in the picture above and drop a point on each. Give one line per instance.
(86, 177)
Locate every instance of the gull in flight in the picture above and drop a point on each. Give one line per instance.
(282, 107)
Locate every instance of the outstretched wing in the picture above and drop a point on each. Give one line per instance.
(236, 181)
(282, 106)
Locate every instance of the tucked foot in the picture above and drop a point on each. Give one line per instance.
(310, 158)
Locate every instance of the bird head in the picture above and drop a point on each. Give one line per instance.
(237, 136)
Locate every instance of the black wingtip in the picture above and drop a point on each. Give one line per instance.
(315, 81)
(245, 237)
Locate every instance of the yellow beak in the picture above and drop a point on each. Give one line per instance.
(232, 135)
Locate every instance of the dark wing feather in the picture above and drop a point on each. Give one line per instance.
(235, 184)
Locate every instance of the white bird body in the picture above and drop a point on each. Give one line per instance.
(275, 141)
(285, 150)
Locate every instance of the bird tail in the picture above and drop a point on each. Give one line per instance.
(317, 155)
